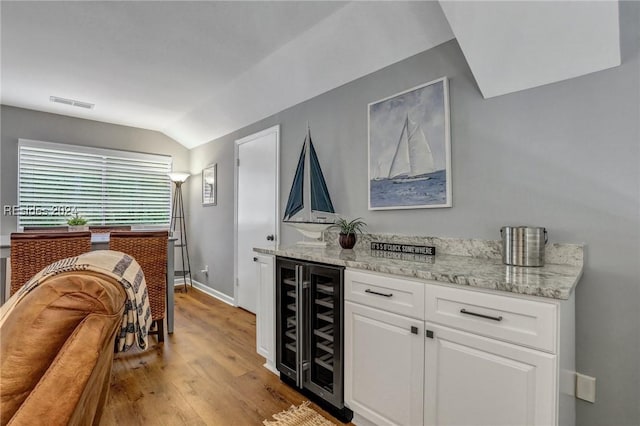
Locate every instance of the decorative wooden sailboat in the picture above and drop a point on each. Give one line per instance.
(307, 220)
(412, 160)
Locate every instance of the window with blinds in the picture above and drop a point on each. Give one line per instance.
(106, 187)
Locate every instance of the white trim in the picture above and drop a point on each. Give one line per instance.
(208, 290)
(271, 367)
(236, 159)
(274, 129)
(92, 150)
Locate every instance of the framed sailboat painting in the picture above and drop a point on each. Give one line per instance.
(410, 149)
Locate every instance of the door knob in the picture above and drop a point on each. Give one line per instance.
(271, 237)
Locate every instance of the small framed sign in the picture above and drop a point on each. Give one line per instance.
(209, 178)
(403, 248)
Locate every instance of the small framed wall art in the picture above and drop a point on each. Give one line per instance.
(410, 149)
(209, 185)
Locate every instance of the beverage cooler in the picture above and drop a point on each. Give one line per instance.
(309, 340)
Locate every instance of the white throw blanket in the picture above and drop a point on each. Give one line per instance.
(136, 320)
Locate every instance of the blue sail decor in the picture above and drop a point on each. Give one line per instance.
(319, 198)
(295, 203)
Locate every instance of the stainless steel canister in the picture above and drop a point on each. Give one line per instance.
(523, 245)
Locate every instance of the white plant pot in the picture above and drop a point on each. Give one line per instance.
(78, 228)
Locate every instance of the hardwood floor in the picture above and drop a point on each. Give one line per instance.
(206, 373)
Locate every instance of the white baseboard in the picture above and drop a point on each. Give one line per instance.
(271, 367)
(208, 290)
(361, 421)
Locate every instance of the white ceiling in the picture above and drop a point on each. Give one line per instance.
(516, 45)
(199, 70)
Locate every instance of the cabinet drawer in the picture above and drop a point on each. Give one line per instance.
(520, 321)
(390, 294)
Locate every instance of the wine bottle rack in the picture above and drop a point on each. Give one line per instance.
(309, 330)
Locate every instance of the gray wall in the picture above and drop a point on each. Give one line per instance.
(211, 228)
(565, 156)
(28, 124)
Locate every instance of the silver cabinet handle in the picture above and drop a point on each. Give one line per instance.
(475, 314)
(378, 294)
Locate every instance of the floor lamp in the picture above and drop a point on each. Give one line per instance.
(178, 225)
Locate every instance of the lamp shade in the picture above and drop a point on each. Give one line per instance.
(178, 176)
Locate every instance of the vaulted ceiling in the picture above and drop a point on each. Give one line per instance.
(199, 70)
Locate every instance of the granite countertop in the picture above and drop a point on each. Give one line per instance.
(555, 281)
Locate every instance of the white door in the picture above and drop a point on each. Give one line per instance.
(256, 208)
(384, 361)
(474, 380)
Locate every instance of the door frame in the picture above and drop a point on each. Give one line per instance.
(236, 151)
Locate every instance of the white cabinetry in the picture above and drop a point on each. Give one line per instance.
(392, 348)
(265, 312)
(474, 380)
(384, 349)
(478, 357)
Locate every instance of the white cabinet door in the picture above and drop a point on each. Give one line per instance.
(384, 359)
(265, 315)
(474, 380)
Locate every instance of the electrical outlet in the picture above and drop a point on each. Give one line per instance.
(205, 270)
(585, 387)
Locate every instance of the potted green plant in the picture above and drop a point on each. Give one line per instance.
(77, 223)
(348, 231)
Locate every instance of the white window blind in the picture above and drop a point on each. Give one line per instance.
(107, 187)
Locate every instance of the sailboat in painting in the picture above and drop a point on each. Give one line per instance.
(408, 176)
(412, 160)
(318, 199)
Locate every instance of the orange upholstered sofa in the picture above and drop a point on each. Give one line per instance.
(56, 351)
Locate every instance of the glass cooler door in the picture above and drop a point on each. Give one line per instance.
(287, 318)
(323, 369)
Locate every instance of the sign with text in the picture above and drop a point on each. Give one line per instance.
(403, 256)
(403, 248)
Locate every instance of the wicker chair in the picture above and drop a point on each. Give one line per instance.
(108, 229)
(149, 249)
(31, 252)
(41, 229)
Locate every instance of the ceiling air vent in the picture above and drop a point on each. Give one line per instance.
(71, 102)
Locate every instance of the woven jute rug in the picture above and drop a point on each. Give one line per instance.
(302, 415)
